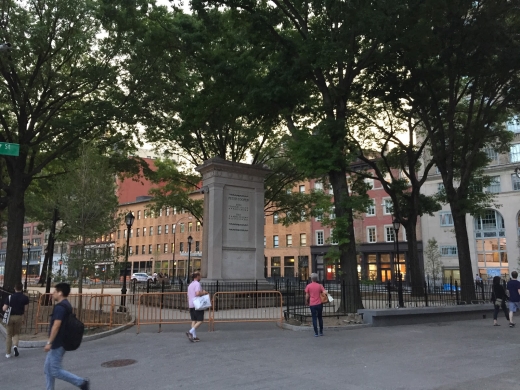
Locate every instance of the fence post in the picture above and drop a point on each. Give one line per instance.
(451, 285)
(133, 291)
(457, 292)
(482, 288)
(288, 303)
(389, 288)
(425, 294)
(148, 286)
(256, 295)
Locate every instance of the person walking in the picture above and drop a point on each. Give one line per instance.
(197, 316)
(313, 299)
(17, 303)
(513, 286)
(499, 298)
(54, 348)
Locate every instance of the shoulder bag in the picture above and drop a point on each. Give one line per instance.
(324, 297)
(7, 313)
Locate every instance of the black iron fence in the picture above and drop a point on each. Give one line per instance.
(31, 310)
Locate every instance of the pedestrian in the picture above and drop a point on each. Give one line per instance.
(155, 277)
(54, 348)
(499, 298)
(313, 299)
(513, 286)
(197, 316)
(478, 280)
(17, 303)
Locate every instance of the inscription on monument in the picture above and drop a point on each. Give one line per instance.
(238, 215)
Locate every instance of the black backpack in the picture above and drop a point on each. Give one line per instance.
(72, 329)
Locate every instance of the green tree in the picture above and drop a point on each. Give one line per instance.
(58, 89)
(457, 64)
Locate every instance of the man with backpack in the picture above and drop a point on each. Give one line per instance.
(58, 340)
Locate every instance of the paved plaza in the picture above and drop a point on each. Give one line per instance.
(460, 355)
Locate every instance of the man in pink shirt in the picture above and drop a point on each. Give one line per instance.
(312, 296)
(197, 316)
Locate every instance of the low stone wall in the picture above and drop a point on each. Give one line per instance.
(423, 315)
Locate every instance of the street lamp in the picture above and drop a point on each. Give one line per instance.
(190, 239)
(174, 227)
(397, 225)
(27, 264)
(129, 220)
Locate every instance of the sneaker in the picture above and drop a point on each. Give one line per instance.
(85, 385)
(190, 336)
(196, 339)
(511, 325)
(321, 333)
(315, 334)
(8, 355)
(16, 353)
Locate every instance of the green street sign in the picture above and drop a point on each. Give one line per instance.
(8, 149)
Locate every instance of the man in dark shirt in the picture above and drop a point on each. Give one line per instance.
(17, 303)
(54, 347)
(513, 286)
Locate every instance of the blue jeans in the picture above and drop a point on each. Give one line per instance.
(53, 369)
(317, 311)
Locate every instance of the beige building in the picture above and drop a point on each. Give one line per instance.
(493, 236)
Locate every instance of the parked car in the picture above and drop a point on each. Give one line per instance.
(141, 277)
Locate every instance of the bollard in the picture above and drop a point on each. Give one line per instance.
(389, 288)
(457, 293)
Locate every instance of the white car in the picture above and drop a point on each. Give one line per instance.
(141, 277)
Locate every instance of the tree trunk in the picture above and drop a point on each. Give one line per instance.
(466, 270)
(351, 295)
(416, 274)
(15, 222)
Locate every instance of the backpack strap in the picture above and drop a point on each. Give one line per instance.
(69, 311)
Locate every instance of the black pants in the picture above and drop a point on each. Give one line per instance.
(317, 312)
(497, 309)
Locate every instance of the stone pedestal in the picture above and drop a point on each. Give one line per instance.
(233, 240)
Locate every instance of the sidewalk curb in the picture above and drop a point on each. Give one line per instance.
(41, 344)
(330, 328)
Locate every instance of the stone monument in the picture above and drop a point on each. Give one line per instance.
(233, 234)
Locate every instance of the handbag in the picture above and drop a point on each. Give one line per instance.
(324, 297)
(498, 302)
(7, 313)
(202, 303)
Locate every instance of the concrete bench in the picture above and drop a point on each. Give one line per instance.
(423, 315)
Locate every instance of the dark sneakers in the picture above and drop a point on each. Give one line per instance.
(196, 339)
(16, 353)
(511, 325)
(190, 336)
(85, 385)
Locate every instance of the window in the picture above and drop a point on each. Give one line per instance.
(130, 250)
(26, 231)
(137, 232)
(35, 230)
(492, 155)
(319, 215)
(371, 209)
(404, 234)
(447, 251)
(303, 239)
(302, 189)
(275, 218)
(288, 240)
(516, 182)
(387, 206)
(151, 230)
(275, 242)
(158, 248)
(514, 125)
(320, 237)
(37, 241)
(265, 242)
(182, 227)
(159, 230)
(137, 249)
(369, 182)
(389, 234)
(446, 218)
(173, 247)
(181, 246)
(318, 186)
(514, 153)
(166, 228)
(197, 246)
(138, 214)
(190, 227)
(145, 214)
(489, 224)
(143, 249)
(150, 250)
(118, 234)
(125, 233)
(275, 266)
(333, 239)
(167, 211)
(371, 234)
(160, 213)
(494, 185)
(174, 210)
(302, 216)
(288, 267)
(165, 248)
(144, 232)
(197, 226)
(332, 214)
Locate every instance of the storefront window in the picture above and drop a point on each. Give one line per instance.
(288, 263)
(275, 267)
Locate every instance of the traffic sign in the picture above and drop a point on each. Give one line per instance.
(8, 149)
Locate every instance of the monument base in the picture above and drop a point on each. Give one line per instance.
(239, 284)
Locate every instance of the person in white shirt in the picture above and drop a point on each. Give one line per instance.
(197, 316)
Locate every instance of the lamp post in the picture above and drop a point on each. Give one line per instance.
(190, 239)
(27, 265)
(174, 227)
(129, 220)
(397, 225)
